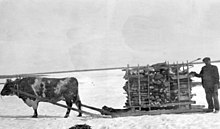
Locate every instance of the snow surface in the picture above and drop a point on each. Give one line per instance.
(99, 89)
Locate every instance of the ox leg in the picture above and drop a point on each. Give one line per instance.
(35, 106)
(78, 104)
(35, 114)
(68, 103)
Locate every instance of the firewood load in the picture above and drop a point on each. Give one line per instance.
(159, 85)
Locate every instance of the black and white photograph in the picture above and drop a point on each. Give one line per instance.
(109, 64)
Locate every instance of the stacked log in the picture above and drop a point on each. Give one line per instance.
(156, 86)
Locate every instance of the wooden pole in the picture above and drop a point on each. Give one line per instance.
(82, 70)
(96, 109)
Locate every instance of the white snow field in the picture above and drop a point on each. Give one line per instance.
(99, 89)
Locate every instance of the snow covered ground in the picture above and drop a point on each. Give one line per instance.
(99, 89)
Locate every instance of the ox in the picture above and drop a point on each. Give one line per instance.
(52, 89)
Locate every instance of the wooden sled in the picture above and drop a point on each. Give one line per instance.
(131, 112)
(157, 112)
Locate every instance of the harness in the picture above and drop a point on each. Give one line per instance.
(17, 88)
(16, 91)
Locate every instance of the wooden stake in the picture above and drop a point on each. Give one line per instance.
(169, 81)
(148, 86)
(139, 88)
(178, 82)
(189, 83)
(129, 88)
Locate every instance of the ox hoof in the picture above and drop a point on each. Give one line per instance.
(34, 116)
(66, 116)
(79, 115)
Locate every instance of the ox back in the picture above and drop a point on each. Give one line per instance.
(53, 89)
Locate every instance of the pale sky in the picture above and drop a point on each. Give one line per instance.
(57, 35)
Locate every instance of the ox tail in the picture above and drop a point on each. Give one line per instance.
(78, 98)
(2, 98)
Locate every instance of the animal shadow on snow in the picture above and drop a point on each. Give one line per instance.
(20, 116)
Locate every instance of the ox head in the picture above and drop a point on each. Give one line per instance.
(7, 88)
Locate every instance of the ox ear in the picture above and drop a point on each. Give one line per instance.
(8, 80)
